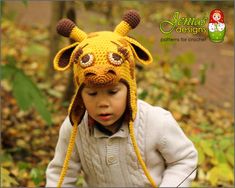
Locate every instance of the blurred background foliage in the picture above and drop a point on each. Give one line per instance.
(35, 99)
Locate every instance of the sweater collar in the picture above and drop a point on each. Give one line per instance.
(121, 133)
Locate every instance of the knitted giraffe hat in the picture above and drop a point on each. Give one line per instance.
(102, 59)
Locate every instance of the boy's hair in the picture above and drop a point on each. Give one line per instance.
(101, 59)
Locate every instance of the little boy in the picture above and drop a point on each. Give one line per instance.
(114, 138)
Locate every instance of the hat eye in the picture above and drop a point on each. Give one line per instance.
(115, 58)
(86, 60)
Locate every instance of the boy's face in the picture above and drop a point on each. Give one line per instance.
(106, 105)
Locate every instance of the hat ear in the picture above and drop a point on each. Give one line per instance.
(140, 53)
(62, 60)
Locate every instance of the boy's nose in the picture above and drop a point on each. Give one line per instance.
(103, 103)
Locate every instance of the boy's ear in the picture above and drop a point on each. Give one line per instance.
(62, 60)
(140, 53)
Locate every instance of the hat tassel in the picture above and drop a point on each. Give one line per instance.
(137, 152)
(68, 155)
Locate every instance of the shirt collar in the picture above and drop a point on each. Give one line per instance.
(121, 133)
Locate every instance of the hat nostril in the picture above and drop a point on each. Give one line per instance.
(89, 74)
(111, 72)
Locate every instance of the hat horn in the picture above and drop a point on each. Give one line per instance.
(129, 21)
(68, 28)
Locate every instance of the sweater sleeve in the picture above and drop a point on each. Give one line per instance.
(55, 166)
(179, 153)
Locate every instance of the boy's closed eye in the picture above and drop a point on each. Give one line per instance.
(110, 92)
(92, 93)
(113, 91)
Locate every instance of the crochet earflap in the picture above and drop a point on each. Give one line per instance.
(101, 59)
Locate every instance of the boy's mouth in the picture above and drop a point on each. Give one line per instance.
(104, 117)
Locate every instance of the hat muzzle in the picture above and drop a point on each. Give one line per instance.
(98, 76)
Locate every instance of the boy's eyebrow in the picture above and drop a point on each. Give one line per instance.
(94, 89)
(88, 88)
(109, 87)
(115, 86)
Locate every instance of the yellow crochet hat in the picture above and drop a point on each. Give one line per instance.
(100, 59)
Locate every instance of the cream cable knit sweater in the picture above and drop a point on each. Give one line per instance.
(110, 161)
